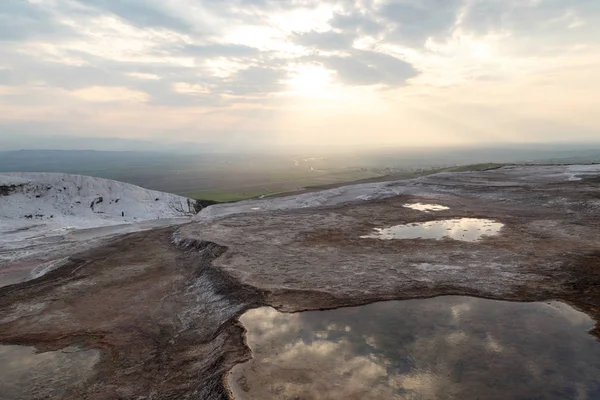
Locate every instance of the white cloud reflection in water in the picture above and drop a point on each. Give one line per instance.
(442, 348)
(463, 229)
(426, 207)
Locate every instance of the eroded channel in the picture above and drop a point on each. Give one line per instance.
(441, 348)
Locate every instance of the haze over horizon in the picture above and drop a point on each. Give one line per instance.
(264, 73)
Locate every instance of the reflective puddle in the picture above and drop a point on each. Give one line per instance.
(464, 229)
(426, 207)
(25, 374)
(442, 348)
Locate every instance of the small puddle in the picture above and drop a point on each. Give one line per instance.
(464, 229)
(442, 348)
(25, 374)
(426, 207)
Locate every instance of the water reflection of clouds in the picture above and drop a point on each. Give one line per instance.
(464, 229)
(426, 207)
(443, 348)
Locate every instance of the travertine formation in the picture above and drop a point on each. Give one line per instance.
(162, 306)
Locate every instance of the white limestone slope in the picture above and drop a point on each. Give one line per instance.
(84, 201)
(44, 216)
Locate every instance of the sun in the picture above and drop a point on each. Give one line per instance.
(309, 79)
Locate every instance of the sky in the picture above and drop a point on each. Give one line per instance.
(267, 73)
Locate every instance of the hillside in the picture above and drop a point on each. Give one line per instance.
(83, 200)
(45, 216)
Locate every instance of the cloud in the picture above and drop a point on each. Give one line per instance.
(533, 17)
(415, 21)
(181, 55)
(142, 75)
(219, 50)
(107, 94)
(362, 67)
(255, 80)
(22, 20)
(357, 23)
(324, 40)
(140, 13)
(190, 88)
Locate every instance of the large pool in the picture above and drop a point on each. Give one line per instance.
(442, 348)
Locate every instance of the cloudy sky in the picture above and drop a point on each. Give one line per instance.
(300, 72)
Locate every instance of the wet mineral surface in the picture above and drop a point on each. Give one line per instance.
(442, 348)
(25, 373)
(160, 309)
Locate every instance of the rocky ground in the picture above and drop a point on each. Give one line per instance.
(162, 306)
(47, 216)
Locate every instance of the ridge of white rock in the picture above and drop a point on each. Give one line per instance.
(47, 216)
(84, 200)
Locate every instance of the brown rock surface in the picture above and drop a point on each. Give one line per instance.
(162, 306)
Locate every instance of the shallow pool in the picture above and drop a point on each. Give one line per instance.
(28, 374)
(426, 207)
(441, 348)
(464, 229)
